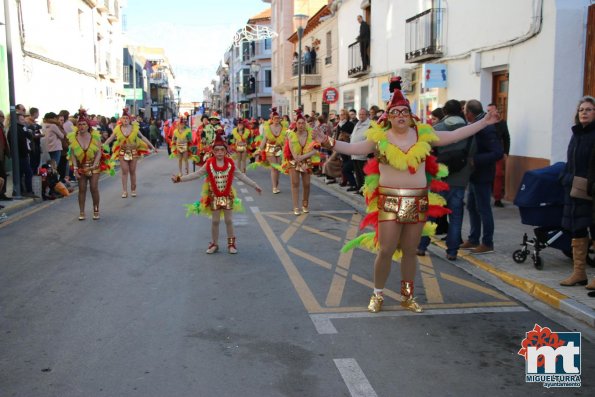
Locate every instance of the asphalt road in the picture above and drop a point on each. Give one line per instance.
(131, 305)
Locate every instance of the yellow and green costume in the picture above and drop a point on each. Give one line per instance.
(292, 145)
(387, 153)
(86, 157)
(128, 147)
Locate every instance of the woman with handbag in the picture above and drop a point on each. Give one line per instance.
(578, 206)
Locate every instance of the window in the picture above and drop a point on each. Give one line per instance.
(267, 78)
(126, 74)
(329, 49)
(364, 97)
(314, 106)
(267, 44)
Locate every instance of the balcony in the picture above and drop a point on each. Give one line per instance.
(423, 36)
(355, 65)
(310, 75)
(261, 90)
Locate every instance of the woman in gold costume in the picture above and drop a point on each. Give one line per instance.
(129, 146)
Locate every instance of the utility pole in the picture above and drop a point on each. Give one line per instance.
(14, 140)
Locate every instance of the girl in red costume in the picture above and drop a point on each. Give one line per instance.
(396, 190)
(299, 160)
(130, 145)
(218, 195)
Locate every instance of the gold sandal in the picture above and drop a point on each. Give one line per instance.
(125, 195)
(82, 216)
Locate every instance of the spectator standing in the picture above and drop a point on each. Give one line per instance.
(36, 135)
(4, 154)
(591, 192)
(577, 216)
(489, 151)
(364, 41)
(343, 134)
(436, 115)
(313, 60)
(353, 116)
(54, 136)
(154, 133)
(457, 156)
(374, 112)
(499, 179)
(359, 161)
(24, 141)
(307, 60)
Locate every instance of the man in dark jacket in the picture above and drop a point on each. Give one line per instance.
(457, 157)
(364, 41)
(489, 151)
(504, 137)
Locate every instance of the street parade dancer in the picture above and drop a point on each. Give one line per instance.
(88, 161)
(181, 145)
(300, 158)
(271, 147)
(207, 136)
(129, 146)
(218, 194)
(241, 140)
(396, 190)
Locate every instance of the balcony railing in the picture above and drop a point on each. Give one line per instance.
(423, 36)
(306, 69)
(261, 89)
(355, 66)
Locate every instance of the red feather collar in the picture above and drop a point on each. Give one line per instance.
(228, 168)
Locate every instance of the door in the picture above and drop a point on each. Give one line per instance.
(500, 93)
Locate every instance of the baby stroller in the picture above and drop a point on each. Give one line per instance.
(541, 200)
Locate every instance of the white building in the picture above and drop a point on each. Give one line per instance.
(66, 54)
(527, 57)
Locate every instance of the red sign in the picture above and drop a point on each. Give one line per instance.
(330, 95)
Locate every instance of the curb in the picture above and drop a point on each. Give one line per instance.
(19, 205)
(539, 291)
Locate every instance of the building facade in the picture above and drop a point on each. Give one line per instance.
(66, 54)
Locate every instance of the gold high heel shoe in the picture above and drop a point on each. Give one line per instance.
(376, 301)
(407, 299)
(296, 211)
(95, 213)
(82, 216)
(124, 194)
(133, 193)
(305, 207)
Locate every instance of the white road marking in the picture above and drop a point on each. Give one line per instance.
(240, 183)
(248, 198)
(244, 190)
(354, 378)
(322, 321)
(254, 209)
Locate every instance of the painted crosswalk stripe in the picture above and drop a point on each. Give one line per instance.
(244, 190)
(248, 198)
(322, 321)
(354, 378)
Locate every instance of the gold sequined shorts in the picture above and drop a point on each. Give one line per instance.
(128, 154)
(301, 166)
(240, 147)
(87, 169)
(222, 203)
(273, 150)
(402, 205)
(182, 147)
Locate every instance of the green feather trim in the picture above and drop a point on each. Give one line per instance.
(358, 241)
(442, 171)
(429, 229)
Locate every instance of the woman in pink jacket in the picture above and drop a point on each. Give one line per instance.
(53, 136)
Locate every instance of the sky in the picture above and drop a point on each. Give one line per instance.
(194, 34)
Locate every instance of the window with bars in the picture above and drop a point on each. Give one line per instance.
(126, 74)
(267, 78)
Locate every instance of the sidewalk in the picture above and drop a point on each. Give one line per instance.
(540, 284)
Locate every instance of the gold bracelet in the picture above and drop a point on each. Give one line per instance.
(329, 143)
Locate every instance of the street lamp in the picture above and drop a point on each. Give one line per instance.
(178, 88)
(255, 68)
(300, 21)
